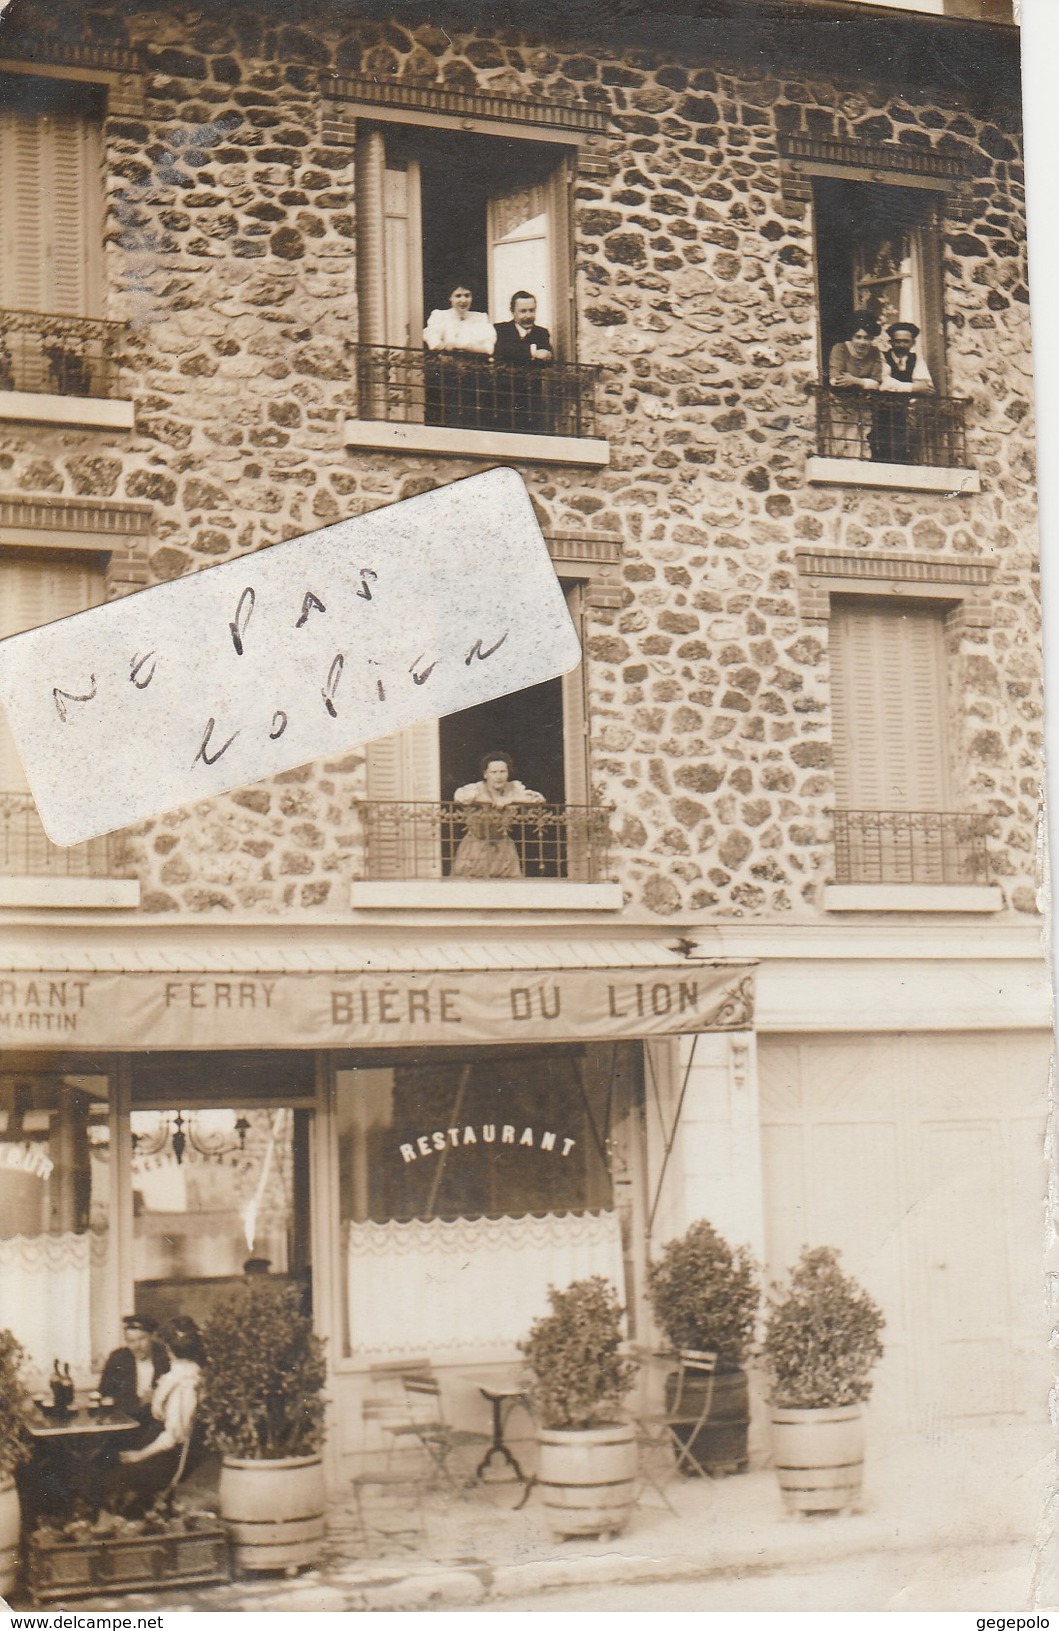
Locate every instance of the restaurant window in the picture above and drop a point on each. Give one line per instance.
(221, 1175)
(56, 1255)
(470, 1182)
(52, 336)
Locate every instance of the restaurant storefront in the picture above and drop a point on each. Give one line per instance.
(422, 1142)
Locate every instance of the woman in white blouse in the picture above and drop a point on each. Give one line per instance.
(150, 1468)
(459, 385)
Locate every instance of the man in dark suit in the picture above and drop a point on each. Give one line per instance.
(522, 351)
(130, 1372)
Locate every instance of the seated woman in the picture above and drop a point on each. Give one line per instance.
(459, 387)
(142, 1473)
(486, 851)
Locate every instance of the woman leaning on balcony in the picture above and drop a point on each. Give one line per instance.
(486, 851)
(458, 383)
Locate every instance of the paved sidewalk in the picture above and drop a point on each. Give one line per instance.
(953, 1492)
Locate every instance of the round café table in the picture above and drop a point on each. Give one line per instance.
(70, 1451)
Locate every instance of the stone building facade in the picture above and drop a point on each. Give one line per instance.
(710, 529)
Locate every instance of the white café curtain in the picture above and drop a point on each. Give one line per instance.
(428, 1286)
(46, 1281)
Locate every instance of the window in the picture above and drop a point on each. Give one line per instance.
(462, 1174)
(893, 816)
(56, 1243)
(52, 338)
(878, 250)
(38, 587)
(416, 830)
(437, 209)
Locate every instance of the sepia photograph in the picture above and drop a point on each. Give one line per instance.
(525, 1004)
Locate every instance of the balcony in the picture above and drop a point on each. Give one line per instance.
(887, 439)
(436, 402)
(61, 370)
(911, 860)
(36, 872)
(453, 855)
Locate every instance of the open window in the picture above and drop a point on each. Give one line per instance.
(878, 250)
(439, 208)
(414, 826)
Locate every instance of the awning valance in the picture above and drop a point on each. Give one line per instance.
(464, 995)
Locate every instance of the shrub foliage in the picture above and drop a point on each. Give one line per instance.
(705, 1295)
(14, 1406)
(578, 1377)
(822, 1335)
(261, 1394)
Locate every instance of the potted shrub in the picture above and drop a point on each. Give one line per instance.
(262, 1407)
(705, 1295)
(586, 1453)
(15, 1405)
(821, 1342)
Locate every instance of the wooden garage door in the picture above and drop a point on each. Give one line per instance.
(921, 1159)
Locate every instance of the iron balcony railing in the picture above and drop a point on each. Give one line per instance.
(910, 846)
(412, 387)
(421, 840)
(891, 428)
(26, 851)
(64, 356)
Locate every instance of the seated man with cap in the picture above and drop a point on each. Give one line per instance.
(131, 1372)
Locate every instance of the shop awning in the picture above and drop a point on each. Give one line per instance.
(197, 990)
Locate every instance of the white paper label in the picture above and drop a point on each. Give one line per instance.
(297, 652)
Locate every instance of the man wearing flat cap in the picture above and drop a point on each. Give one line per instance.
(130, 1372)
(905, 373)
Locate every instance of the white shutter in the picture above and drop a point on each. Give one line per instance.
(575, 717)
(888, 708)
(520, 257)
(405, 769)
(50, 212)
(403, 252)
(33, 592)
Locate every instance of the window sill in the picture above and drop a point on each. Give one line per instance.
(100, 893)
(913, 478)
(391, 436)
(79, 412)
(912, 897)
(484, 895)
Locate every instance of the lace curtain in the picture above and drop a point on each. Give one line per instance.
(474, 1282)
(46, 1282)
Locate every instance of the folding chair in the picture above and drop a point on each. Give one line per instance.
(687, 1415)
(655, 1463)
(440, 1440)
(398, 1483)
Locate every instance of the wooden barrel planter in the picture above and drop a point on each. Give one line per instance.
(587, 1478)
(275, 1511)
(10, 1528)
(721, 1444)
(819, 1457)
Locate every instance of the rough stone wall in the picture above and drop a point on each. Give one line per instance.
(231, 249)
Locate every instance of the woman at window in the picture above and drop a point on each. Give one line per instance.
(486, 851)
(459, 386)
(855, 365)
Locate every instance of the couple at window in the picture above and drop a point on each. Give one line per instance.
(505, 392)
(891, 427)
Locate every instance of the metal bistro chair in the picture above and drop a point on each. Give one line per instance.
(389, 1497)
(440, 1440)
(666, 1432)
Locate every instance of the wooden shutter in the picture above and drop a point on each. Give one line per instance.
(33, 592)
(50, 212)
(575, 717)
(888, 708)
(401, 769)
(389, 242)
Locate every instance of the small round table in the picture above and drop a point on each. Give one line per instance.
(500, 1394)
